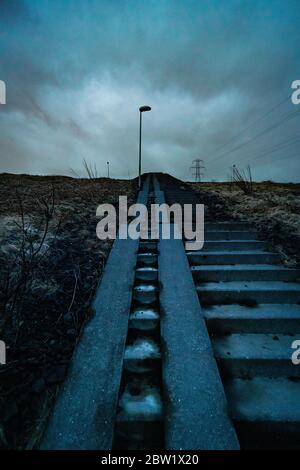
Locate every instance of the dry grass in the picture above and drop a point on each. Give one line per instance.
(51, 262)
(273, 208)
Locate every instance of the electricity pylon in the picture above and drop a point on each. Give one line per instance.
(198, 167)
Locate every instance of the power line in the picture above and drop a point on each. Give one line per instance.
(277, 148)
(287, 117)
(259, 118)
(285, 157)
(261, 152)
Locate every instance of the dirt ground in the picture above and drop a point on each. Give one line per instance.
(50, 264)
(273, 208)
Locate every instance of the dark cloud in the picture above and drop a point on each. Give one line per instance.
(13, 10)
(76, 73)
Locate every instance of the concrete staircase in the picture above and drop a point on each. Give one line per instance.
(140, 419)
(251, 304)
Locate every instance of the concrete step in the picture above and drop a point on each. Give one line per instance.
(146, 259)
(139, 418)
(263, 318)
(144, 319)
(148, 246)
(244, 272)
(249, 292)
(140, 401)
(230, 235)
(228, 226)
(145, 294)
(146, 274)
(195, 406)
(237, 257)
(142, 355)
(248, 355)
(265, 411)
(148, 238)
(233, 245)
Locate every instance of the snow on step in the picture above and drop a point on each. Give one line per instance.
(256, 354)
(263, 399)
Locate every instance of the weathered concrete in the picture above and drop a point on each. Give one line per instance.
(146, 274)
(237, 257)
(242, 292)
(256, 291)
(230, 235)
(195, 405)
(143, 319)
(263, 318)
(244, 272)
(84, 414)
(228, 226)
(264, 399)
(266, 411)
(243, 354)
(233, 245)
(147, 246)
(142, 355)
(147, 259)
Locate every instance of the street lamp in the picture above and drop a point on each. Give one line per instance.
(142, 110)
(107, 169)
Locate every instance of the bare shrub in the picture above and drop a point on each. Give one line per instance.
(243, 179)
(21, 262)
(90, 169)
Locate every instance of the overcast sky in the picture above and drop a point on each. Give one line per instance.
(217, 74)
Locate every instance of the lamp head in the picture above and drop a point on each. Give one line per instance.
(145, 108)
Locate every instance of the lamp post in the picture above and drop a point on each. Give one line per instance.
(107, 169)
(142, 109)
